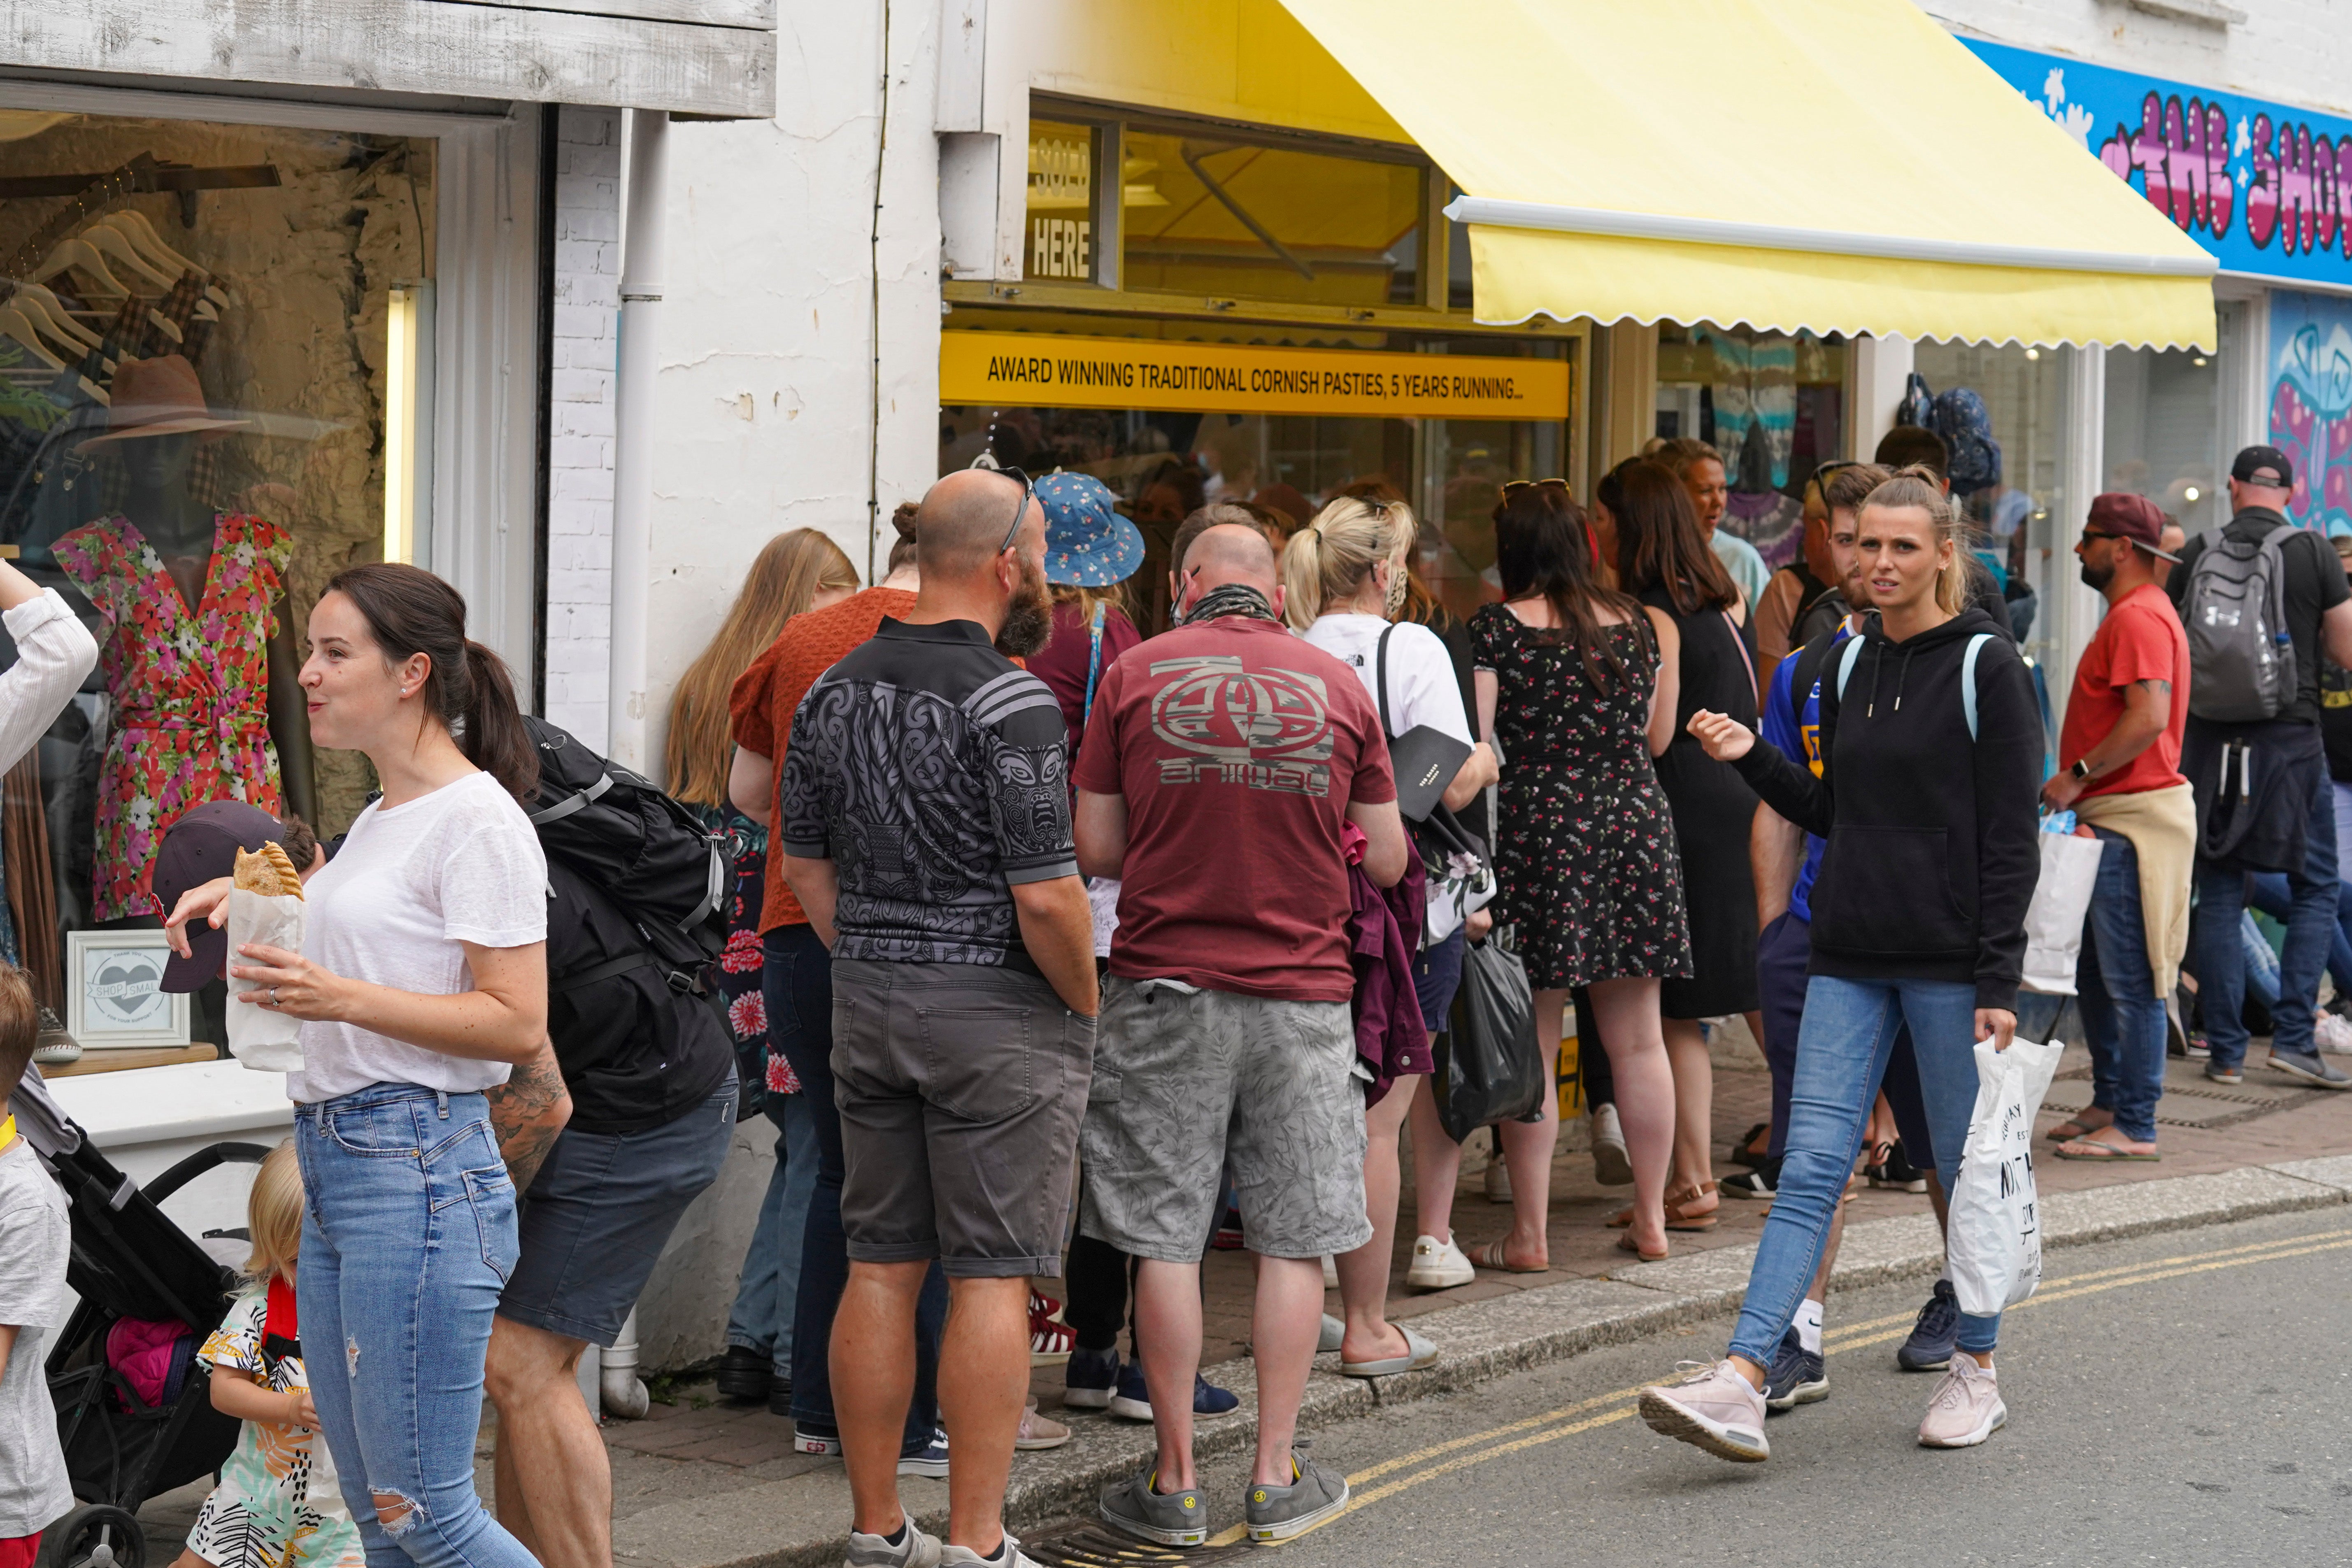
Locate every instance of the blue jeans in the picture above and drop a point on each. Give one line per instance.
(2268, 891)
(2123, 1017)
(796, 982)
(1842, 1054)
(408, 1236)
(2310, 924)
(762, 1318)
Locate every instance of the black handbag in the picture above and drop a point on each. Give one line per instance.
(1454, 860)
(1490, 1066)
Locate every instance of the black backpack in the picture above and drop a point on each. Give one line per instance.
(646, 853)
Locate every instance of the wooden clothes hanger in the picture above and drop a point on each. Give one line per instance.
(15, 327)
(43, 310)
(141, 235)
(108, 241)
(77, 254)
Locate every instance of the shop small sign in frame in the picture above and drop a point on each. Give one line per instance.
(115, 993)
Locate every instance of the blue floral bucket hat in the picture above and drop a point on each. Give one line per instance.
(1087, 544)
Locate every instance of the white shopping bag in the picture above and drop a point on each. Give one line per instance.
(2054, 922)
(1102, 902)
(261, 1039)
(1993, 1241)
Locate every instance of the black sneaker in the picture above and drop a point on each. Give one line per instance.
(744, 1375)
(1897, 1173)
(780, 1397)
(1763, 1182)
(1933, 1337)
(1796, 1376)
(2311, 1068)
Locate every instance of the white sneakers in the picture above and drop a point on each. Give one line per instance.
(2333, 1034)
(1715, 1408)
(1966, 1407)
(1612, 1165)
(1438, 1265)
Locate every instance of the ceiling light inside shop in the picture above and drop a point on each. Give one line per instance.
(2191, 493)
(2034, 353)
(2199, 362)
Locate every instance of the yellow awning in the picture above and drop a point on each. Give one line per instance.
(1838, 165)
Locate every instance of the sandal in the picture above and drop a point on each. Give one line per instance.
(2074, 1129)
(1681, 1216)
(1491, 1257)
(2097, 1149)
(1626, 1243)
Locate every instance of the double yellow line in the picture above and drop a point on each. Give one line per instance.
(1372, 1485)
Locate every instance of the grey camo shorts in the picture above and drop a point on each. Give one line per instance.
(1185, 1085)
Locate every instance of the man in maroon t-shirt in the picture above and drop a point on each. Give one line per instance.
(1223, 764)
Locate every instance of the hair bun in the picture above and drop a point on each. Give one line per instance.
(903, 519)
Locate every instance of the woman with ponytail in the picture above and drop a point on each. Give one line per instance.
(422, 983)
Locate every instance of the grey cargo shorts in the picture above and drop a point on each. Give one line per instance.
(1185, 1084)
(960, 1088)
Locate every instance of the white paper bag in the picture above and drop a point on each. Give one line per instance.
(2054, 922)
(261, 1039)
(1993, 1241)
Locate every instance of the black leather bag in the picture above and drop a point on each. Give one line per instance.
(1490, 1065)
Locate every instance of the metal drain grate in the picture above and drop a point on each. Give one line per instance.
(1095, 1546)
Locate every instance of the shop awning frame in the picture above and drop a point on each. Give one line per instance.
(1614, 165)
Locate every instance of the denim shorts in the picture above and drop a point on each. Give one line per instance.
(960, 1088)
(600, 1212)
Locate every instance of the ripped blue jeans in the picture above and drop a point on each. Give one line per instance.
(408, 1236)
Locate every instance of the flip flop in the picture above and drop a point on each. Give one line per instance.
(2072, 1130)
(1491, 1257)
(1626, 1243)
(1418, 1353)
(2082, 1148)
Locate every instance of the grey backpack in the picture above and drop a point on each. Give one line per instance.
(2240, 659)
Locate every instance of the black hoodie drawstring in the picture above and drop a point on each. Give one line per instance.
(1903, 674)
(1878, 662)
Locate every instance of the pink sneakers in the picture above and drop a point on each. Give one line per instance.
(1966, 1407)
(1713, 1408)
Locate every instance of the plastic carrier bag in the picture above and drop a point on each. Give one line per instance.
(1490, 1068)
(1993, 1241)
(2054, 922)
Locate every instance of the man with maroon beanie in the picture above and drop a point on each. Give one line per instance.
(2119, 770)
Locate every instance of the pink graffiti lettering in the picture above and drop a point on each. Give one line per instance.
(2183, 152)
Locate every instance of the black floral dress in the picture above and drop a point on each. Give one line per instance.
(1584, 846)
(760, 1069)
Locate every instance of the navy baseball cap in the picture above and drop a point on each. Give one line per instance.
(200, 847)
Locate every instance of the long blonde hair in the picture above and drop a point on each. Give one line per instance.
(791, 571)
(1916, 486)
(1326, 563)
(273, 1215)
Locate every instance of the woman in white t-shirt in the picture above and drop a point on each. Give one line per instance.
(1344, 580)
(422, 982)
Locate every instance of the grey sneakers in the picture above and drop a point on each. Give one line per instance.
(913, 1550)
(1008, 1555)
(1317, 1493)
(1166, 1518)
(1713, 1407)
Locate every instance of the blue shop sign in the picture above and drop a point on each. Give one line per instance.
(2266, 188)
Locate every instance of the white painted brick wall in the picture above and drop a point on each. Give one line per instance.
(580, 451)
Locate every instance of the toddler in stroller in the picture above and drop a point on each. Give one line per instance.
(277, 1504)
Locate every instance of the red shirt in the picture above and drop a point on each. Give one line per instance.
(767, 695)
(2140, 639)
(1238, 748)
(1061, 663)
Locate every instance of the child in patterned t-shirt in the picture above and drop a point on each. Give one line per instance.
(277, 1505)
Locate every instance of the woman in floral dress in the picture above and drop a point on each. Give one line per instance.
(801, 569)
(1576, 688)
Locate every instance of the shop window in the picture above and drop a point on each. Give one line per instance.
(1773, 404)
(2164, 432)
(212, 337)
(1203, 213)
(2023, 522)
(1059, 243)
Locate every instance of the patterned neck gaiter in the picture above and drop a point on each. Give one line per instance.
(1233, 599)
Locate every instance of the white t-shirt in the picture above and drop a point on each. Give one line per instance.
(33, 1231)
(1421, 688)
(461, 864)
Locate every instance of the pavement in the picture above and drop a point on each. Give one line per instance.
(700, 1484)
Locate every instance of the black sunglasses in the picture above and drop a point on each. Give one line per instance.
(1821, 476)
(1512, 487)
(1028, 494)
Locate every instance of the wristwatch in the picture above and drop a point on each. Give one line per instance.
(2082, 768)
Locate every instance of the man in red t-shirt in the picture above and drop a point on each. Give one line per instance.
(2119, 769)
(1222, 764)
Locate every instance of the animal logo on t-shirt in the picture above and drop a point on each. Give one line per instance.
(1262, 729)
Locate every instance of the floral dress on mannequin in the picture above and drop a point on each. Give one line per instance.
(191, 689)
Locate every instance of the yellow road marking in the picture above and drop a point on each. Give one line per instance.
(1540, 1429)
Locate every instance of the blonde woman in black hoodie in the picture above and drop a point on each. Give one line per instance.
(1931, 749)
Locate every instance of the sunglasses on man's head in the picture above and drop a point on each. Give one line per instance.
(1028, 493)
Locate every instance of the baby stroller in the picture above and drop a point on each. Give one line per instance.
(129, 1261)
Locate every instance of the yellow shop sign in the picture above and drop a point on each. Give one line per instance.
(1045, 370)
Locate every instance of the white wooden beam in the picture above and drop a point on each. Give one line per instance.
(406, 46)
(760, 14)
